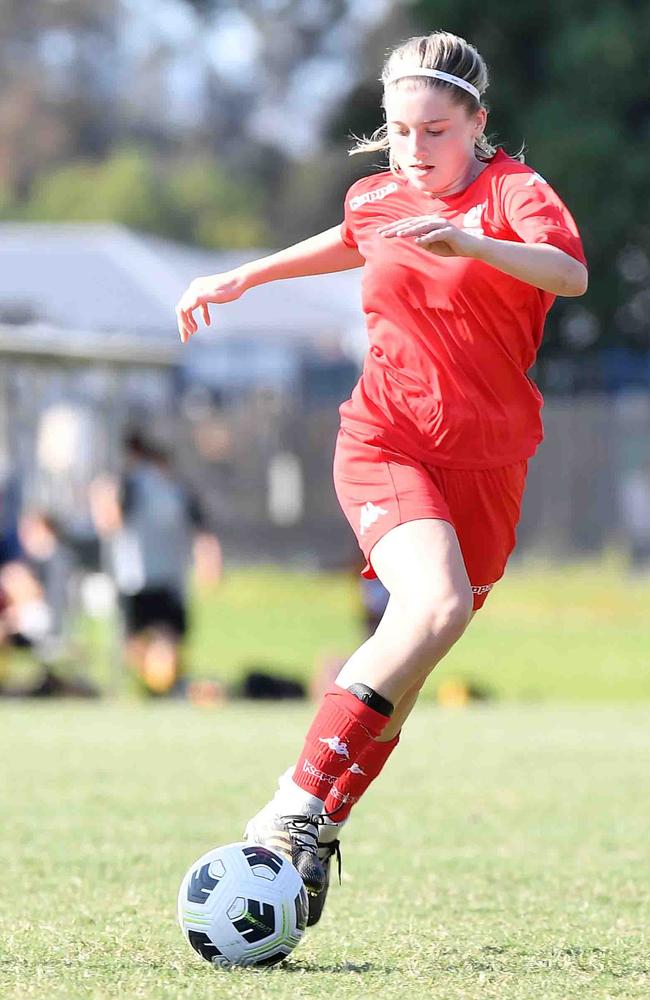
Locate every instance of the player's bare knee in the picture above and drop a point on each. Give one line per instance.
(445, 620)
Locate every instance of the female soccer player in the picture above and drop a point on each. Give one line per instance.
(463, 250)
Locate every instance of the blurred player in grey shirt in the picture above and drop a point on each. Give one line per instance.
(151, 523)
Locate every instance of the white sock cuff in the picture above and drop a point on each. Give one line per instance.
(295, 800)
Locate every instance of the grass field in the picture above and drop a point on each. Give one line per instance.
(577, 632)
(505, 854)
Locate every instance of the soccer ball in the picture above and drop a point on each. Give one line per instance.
(242, 904)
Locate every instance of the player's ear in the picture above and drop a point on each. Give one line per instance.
(480, 121)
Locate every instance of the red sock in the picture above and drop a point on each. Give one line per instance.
(353, 783)
(342, 728)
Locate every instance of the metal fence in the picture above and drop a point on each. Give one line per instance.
(261, 461)
(589, 484)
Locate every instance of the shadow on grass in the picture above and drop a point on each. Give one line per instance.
(340, 967)
(500, 959)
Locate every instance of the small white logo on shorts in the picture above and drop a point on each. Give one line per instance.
(355, 769)
(369, 514)
(485, 589)
(336, 744)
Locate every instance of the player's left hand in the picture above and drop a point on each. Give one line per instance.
(434, 234)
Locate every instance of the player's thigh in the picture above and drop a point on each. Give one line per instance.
(421, 565)
(404, 528)
(398, 513)
(485, 506)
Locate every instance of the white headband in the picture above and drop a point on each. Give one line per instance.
(438, 75)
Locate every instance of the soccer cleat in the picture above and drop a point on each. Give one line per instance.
(296, 838)
(316, 901)
(328, 847)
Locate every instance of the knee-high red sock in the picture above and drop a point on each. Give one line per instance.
(343, 726)
(356, 779)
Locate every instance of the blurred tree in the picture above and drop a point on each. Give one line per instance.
(213, 208)
(310, 197)
(122, 188)
(280, 68)
(58, 73)
(248, 81)
(193, 201)
(242, 109)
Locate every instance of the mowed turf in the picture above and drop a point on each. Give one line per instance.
(575, 633)
(504, 853)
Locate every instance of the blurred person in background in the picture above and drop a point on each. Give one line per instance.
(10, 500)
(23, 612)
(51, 560)
(634, 502)
(9, 551)
(154, 530)
(464, 250)
(25, 619)
(35, 606)
(374, 601)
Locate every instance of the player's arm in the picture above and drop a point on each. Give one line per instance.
(550, 254)
(107, 501)
(539, 264)
(321, 254)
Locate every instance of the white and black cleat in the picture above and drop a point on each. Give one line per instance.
(296, 838)
(316, 901)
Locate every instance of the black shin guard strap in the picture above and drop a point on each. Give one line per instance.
(372, 699)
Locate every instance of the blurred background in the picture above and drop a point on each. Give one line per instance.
(167, 517)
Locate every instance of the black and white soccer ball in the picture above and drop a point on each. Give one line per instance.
(242, 904)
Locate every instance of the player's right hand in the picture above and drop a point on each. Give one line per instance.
(199, 293)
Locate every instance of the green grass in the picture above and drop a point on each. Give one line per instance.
(579, 632)
(503, 855)
(575, 633)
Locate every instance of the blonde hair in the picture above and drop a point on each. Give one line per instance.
(443, 51)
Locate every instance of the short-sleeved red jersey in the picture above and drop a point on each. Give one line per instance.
(451, 338)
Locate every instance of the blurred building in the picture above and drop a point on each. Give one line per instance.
(89, 343)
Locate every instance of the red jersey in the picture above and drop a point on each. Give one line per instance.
(451, 338)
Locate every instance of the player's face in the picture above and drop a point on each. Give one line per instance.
(432, 138)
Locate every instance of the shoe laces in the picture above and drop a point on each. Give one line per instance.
(334, 847)
(298, 826)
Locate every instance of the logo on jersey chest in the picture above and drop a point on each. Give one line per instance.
(473, 220)
(375, 195)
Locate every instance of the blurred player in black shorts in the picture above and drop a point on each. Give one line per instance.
(151, 522)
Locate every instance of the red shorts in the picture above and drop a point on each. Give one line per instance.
(380, 487)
